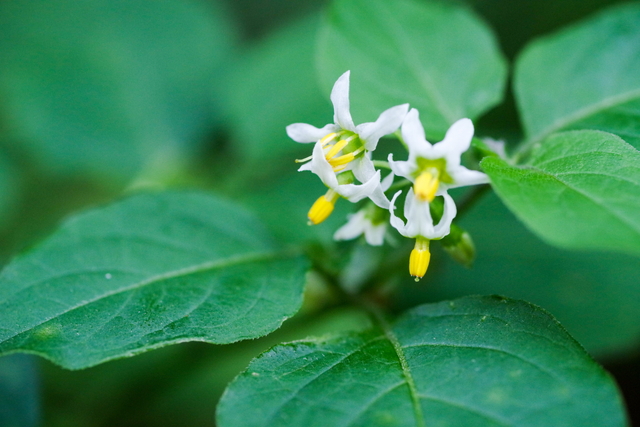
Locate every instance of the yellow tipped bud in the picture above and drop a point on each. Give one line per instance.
(426, 186)
(322, 207)
(419, 259)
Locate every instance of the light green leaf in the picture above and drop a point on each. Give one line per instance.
(579, 190)
(104, 87)
(440, 58)
(270, 87)
(476, 361)
(148, 271)
(583, 77)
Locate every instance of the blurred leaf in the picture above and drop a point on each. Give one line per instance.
(272, 86)
(583, 77)
(19, 401)
(442, 59)
(593, 294)
(476, 361)
(579, 190)
(148, 271)
(10, 189)
(105, 86)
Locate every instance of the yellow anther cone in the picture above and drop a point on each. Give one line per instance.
(419, 259)
(426, 186)
(322, 208)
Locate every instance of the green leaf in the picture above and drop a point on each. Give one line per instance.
(583, 77)
(579, 190)
(10, 189)
(476, 361)
(593, 294)
(19, 402)
(148, 271)
(107, 86)
(440, 58)
(271, 86)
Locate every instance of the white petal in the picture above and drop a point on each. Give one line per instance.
(321, 167)
(463, 176)
(402, 168)
(355, 193)
(419, 221)
(413, 132)
(444, 226)
(302, 132)
(388, 122)
(458, 137)
(396, 222)
(374, 234)
(354, 227)
(340, 100)
(363, 168)
(387, 181)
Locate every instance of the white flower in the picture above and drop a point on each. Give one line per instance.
(419, 220)
(342, 146)
(436, 167)
(361, 223)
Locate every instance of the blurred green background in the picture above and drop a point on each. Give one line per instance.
(102, 97)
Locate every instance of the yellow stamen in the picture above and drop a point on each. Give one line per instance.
(419, 259)
(328, 138)
(306, 159)
(336, 148)
(342, 160)
(322, 207)
(426, 185)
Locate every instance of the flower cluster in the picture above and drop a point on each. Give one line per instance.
(342, 159)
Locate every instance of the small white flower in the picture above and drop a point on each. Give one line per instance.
(419, 220)
(436, 167)
(342, 146)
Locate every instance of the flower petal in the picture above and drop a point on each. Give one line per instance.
(321, 167)
(355, 193)
(402, 168)
(458, 138)
(444, 226)
(363, 169)
(302, 132)
(340, 100)
(355, 226)
(396, 222)
(463, 176)
(413, 132)
(374, 234)
(388, 122)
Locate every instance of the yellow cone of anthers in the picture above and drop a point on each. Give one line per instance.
(426, 185)
(419, 259)
(322, 207)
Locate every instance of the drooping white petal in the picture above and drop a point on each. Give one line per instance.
(388, 122)
(444, 226)
(396, 222)
(458, 138)
(355, 226)
(387, 181)
(418, 214)
(463, 176)
(340, 100)
(402, 168)
(321, 167)
(355, 193)
(302, 132)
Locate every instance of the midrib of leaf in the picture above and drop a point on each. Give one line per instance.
(406, 371)
(206, 266)
(560, 124)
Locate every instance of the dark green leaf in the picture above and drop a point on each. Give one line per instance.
(583, 77)
(440, 58)
(145, 272)
(476, 361)
(107, 86)
(579, 190)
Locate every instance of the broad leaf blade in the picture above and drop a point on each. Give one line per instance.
(579, 190)
(442, 59)
(583, 77)
(481, 361)
(145, 272)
